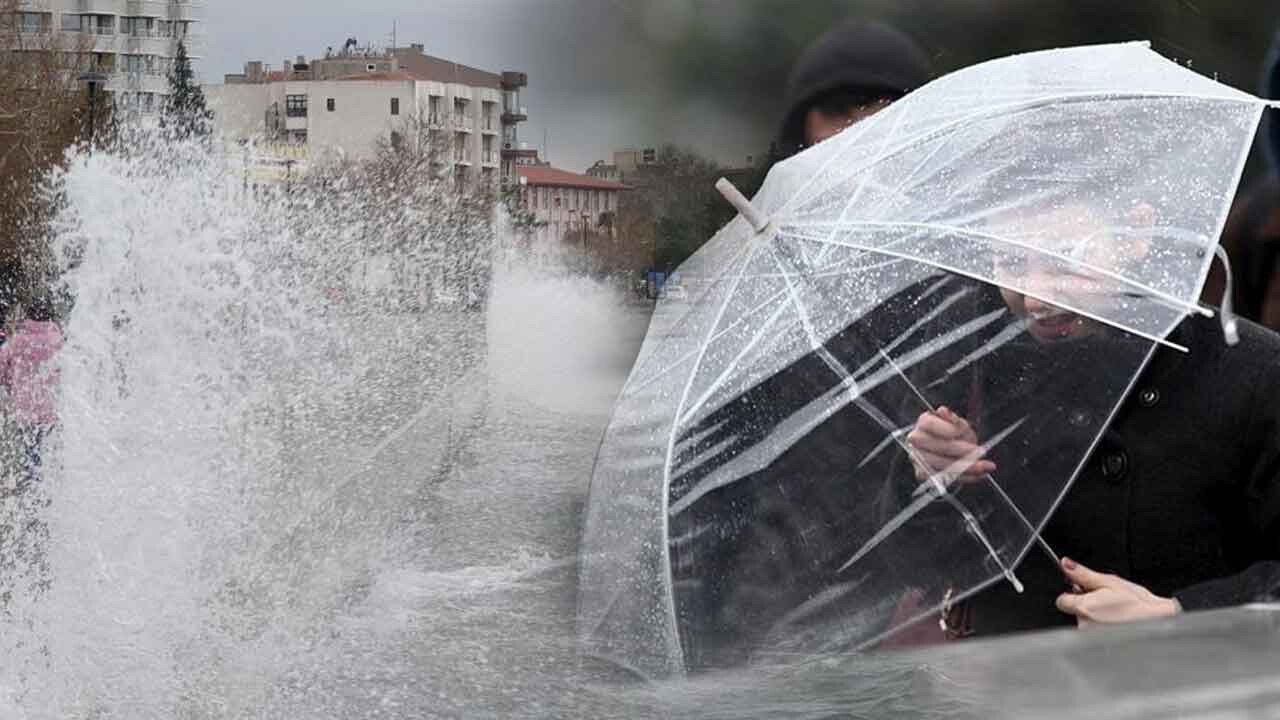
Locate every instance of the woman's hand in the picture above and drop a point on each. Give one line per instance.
(1107, 598)
(943, 442)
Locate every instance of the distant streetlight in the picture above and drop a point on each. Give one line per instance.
(94, 80)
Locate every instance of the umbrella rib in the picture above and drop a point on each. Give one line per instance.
(991, 112)
(1000, 340)
(831, 402)
(862, 186)
(848, 382)
(680, 360)
(969, 274)
(863, 126)
(929, 317)
(733, 365)
(990, 478)
(635, 385)
(930, 493)
(1169, 300)
(665, 498)
(844, 213)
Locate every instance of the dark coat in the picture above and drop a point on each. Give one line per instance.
(1252, 233)
(1182, 493)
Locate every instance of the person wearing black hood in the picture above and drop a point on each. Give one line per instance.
(849, 73)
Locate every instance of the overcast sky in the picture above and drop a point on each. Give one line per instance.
(591, 86)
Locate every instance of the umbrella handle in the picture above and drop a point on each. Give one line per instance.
(739, 201)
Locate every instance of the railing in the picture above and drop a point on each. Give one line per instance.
(435, 119)
(490, 156)
(104, 7)
(186, 9)
(147, 8)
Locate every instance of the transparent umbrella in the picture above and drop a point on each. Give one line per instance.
(1006, 245)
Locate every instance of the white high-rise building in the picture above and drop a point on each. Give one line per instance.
(355, 100)
(128, 45)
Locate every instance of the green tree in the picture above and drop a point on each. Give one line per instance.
(185, 113)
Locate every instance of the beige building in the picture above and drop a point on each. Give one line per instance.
(355, 100)
(127, 45)
(568, 202)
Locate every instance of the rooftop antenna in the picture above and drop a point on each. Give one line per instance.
(544, 145)
(393, 36)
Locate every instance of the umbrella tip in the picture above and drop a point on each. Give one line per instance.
(757, 220)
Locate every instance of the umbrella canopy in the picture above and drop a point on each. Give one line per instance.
(1010, 242)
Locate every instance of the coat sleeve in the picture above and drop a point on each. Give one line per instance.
(1260, 489)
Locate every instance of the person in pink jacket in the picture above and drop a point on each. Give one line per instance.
(28, 369)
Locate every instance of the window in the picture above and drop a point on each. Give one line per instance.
(72, 23)
(295, 105)
(330, 104)
(33, 22)
(395, 106)
(433, 110)
(137, 26)
(299, 137)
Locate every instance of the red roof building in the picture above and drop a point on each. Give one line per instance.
(568, 202)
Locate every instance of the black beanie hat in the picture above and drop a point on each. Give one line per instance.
(859, 55)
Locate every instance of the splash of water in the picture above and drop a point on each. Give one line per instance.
(235, 390)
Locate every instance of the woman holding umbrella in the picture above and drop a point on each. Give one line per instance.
(1178, 506)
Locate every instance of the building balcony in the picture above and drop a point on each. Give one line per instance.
(29, 38)
(147, 8)
(153, 44)
(463, 159)
(522, 151)
(435, 120)
(488, 157)
(187, 9)
(489, 127)
(97, 7)
(514, 115)
(99, 42)
(137, 82)
(460, 124)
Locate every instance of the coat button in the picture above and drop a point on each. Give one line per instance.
(1114, 467)
(1149, 397)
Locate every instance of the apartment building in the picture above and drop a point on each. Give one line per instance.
(126, 45)
(568, 202)
(355, 100)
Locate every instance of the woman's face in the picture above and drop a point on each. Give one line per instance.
(1079, 236)
(1047, 322)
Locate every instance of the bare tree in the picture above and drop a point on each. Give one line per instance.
(42, 112)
